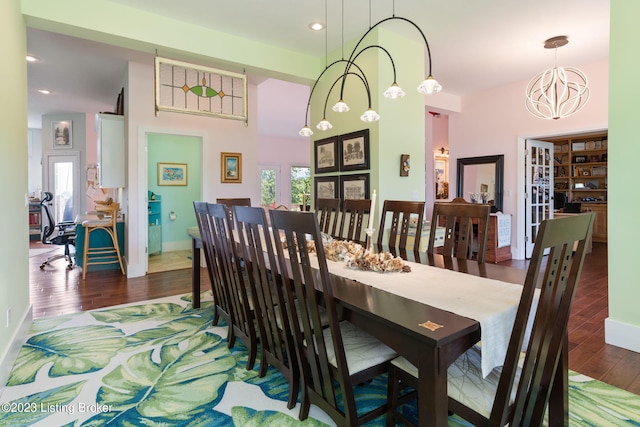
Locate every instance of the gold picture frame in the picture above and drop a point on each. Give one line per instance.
(231, 167)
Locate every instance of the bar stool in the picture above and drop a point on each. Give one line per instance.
(105, 254)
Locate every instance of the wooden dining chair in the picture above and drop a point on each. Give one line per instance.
(459, 220)
(276, 336)
(400, 212)
(327, 211)
(222, 306)
(336, 359)
(231, 202)
(241, 316)
(519, 392)
(353, 213)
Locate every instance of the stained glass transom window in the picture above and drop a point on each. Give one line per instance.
(188, 88)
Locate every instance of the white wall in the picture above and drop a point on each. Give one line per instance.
(218, 135)
(495, 121)
(35, 162)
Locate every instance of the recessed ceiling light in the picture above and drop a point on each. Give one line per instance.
(316, 26)
(44, 91)
(32, 58)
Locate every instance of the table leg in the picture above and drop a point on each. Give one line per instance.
(195, 273)
(432, 389)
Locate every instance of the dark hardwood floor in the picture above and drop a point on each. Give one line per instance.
(56, 291)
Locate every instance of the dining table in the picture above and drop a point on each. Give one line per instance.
(428, 316)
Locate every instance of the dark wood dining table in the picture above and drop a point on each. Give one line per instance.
(397, 321)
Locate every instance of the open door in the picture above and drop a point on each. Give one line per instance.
(538, 189)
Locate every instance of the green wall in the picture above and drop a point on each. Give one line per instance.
(168, 148)
(624, 152)
(14, 253)
(401, 128)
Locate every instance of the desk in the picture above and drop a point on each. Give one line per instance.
(395, 321)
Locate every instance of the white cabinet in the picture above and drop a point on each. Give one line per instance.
(110, 131)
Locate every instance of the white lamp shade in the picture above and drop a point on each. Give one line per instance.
(394, 92)
(340, 107)
(324, 124)
(370, 116)
(429, 86)
(305, 131)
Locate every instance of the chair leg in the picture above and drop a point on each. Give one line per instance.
(85, 257)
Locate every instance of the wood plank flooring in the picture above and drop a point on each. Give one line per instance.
(56, 291)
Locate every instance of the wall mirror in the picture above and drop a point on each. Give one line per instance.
(484, 174)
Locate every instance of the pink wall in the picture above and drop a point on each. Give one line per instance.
(495, 122)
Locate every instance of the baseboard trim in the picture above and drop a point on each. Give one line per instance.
(18, 340)
(622, 334)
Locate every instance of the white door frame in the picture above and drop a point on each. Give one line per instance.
(66, 156)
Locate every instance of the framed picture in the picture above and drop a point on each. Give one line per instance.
(62, 135)
(354, 186)
(326, 187)
(231, 167)
(355, 151)
(172, 173)
(440, 177)
(405, 164)
(326, 155)
(484, 188)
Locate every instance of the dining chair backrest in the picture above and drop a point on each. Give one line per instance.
(297, 268)
(231, 202)
(400, 212)
(220, 296)
(556, 275)
(241, 312)
(269, 298)
(327, 211)
(459, 220)
(353, 212)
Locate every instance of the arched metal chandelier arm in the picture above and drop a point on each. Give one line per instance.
(393, 64)
(364, 81)
(342, 76)
(351, 57)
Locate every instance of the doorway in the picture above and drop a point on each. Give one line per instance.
(62, 179)
(172, 211)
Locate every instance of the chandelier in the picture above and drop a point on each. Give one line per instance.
(557, 92)
(353, 70)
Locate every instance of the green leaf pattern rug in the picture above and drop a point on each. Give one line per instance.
(161, 363)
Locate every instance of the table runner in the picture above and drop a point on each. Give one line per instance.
(491, 302)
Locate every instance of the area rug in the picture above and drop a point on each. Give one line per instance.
(161, 363)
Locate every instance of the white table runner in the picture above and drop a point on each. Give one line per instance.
(491, 302)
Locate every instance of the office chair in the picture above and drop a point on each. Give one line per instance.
(63, 233)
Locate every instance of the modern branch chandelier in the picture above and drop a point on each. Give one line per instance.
(352, 69)
(557, 92)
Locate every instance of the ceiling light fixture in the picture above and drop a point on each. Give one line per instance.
(31, 58)
(428, 86)
(557, 92)
(316, 26)
(45, 91)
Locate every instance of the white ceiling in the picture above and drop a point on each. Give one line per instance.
(475, 45)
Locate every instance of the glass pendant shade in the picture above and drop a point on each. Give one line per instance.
(340, 107)
(370, 116)
(429, 86)
(394, 91)
(324, 124)
(305, 131)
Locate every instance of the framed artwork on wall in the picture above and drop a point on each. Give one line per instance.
(326, 155)
(355, 151)
(326, 187)
(173, 174)
(62, 135)
(354, 186)
(231, 167)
